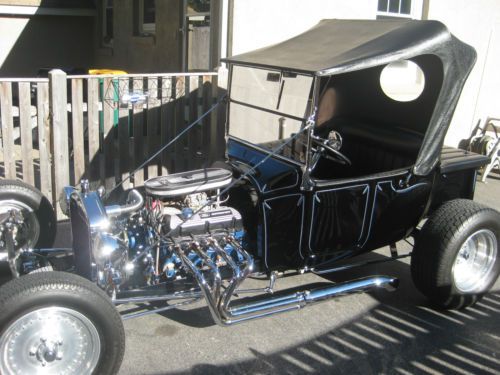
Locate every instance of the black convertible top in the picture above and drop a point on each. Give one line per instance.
(340, 46)
(336, 46)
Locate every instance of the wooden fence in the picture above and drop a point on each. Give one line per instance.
(58, 130)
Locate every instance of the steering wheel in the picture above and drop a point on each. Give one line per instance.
(335, 155)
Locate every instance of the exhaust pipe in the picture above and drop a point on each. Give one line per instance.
(299, 300)
(219, 303)
(134, 203)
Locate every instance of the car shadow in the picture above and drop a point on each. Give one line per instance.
(403, 334)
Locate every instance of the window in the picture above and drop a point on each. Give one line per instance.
(399, 9)
(107, 23)
(402, 81)
(144, 17)
(268, 106)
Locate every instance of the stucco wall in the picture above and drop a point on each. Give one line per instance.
(30, 43)
(478, 24)
(259, 23)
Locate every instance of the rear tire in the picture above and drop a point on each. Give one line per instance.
(86, 333)
(39, 230)
(456, 256)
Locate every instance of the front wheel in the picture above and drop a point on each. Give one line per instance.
(38, 227)
(456, 255)
(56, 322)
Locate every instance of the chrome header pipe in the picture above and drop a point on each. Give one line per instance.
(135, 201)
(220, 303)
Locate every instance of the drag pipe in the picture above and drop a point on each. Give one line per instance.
(295, 301)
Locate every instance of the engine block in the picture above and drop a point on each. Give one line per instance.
(138, 244)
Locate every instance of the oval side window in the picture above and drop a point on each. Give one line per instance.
(402, 81)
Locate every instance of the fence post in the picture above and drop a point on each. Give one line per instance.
(58, 104)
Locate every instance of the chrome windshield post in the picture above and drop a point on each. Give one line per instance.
(308, 167)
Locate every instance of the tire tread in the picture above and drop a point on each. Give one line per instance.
(429, 259)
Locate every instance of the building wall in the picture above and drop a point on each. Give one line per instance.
(259, 23)
(144, 54)
(478, 24)
(28, 43)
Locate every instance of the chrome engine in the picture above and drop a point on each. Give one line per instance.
(137, 244)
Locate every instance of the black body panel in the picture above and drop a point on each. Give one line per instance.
(454, 159)
(284, 225)
(338, 218)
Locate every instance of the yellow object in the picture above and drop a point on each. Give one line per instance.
(106, 71)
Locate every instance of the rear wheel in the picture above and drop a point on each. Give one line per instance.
(456, 255)
(56, 322)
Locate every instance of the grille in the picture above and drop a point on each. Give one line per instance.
(82, 241)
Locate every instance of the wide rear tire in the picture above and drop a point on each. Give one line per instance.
(57, 322)
(456, 256)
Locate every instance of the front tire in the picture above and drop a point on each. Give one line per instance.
(39, 228)
(456, 256)
(57, 322)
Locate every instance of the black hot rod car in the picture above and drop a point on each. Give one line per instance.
(322, 165)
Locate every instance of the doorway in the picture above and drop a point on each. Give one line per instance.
(201, 35)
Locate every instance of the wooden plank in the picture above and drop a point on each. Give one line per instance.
(193, 134)
(180, 146)
(60, 152)
(93, 130)
(187, 159)
(152, 119)
(26, 136)
(137, 75)
(138, 121)
(207, 104)
(108, 104)
(124, 141)
(215, 117)
(7, 130)
(218, 124)
(173, 124)
(165, 121)
(43, 118)
(168, 122)
(23, 79)
(77, 126)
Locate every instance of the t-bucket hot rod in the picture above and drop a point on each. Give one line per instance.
(321, 166)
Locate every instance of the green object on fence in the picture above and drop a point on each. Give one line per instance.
(116, 102)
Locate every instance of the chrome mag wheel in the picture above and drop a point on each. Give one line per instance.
(29, 232)
(50, 340)
(473, 266)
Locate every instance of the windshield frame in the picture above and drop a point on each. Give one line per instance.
(309, 111)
